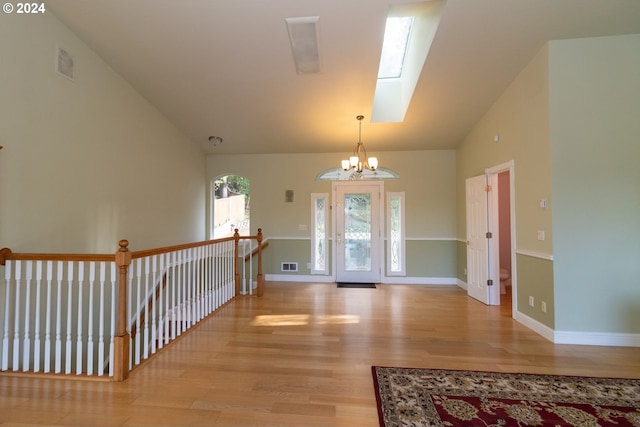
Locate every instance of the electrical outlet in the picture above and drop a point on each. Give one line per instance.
(531, 301)
(543, 306)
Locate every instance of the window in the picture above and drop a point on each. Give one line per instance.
(319, 238)
(396, 262)
(229, 206)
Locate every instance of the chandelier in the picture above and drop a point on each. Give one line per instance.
(358, 162)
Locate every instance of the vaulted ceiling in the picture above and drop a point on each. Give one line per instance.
(225, 67)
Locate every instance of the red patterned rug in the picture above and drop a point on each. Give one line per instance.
(449, 398)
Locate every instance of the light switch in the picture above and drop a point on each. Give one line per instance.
(540, 234)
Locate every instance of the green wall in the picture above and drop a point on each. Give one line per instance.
(520, 120)
(595, 128)
(532, 271)
(426, 177)
(571, 116)
(431, 258)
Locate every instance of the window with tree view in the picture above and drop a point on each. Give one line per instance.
(230, 206)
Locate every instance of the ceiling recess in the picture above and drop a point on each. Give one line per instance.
(305, 43)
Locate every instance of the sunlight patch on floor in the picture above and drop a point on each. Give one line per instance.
(304, 319)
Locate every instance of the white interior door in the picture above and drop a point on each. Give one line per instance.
(477, 242)
(358, 236)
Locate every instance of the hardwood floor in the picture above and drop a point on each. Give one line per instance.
(302, 356)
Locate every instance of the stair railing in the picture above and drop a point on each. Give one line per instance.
(101, 315)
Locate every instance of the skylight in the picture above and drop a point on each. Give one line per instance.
(394, 46)
(409, 30)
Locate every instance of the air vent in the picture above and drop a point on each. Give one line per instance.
(304, 37)
(289, 267)
(65, 64)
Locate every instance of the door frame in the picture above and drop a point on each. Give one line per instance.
(334, 223)
(493, 222)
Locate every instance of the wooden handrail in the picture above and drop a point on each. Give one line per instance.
(255, 251)
(158, 251)
(7, 254)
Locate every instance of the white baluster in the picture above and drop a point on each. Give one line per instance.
(207, 279)
(7, 297)
(216, 274)
(138, 329)
(26, 346)
(68, 347)
(36, 338)
(180, 305)
(189, 282)
(92, 279)
(129, 309)
(199, 269)
(194, 283)
(16, 334)
(148, 298)
(174, 291)
(58, 354)
(157, 290)
(113, 318)
(103, 272)
(229, 269)
(184, 306)
(47, 325)
(168, 293)
(161, 291)
(79, 347)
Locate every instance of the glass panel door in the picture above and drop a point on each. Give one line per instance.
(358, 235)
(357, 232)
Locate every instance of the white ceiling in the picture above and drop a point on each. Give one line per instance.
(224, 67)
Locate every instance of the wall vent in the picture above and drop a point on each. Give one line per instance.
(289, 267)
(65, 63)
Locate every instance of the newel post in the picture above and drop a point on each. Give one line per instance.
(236, 266)
(260, 278)
(121, 340)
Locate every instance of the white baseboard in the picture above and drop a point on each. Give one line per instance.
(579, 338)
(392, 280)
(397, 280)
(534, 325)
(597, 338)
(307, 278)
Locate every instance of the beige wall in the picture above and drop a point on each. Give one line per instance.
(87, 162)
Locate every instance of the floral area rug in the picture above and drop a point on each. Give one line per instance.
(449, 398)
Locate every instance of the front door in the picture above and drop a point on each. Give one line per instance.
(358, 233)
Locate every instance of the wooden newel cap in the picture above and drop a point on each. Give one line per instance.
(4, 252)
(123, 256)
(259, 235)
(124, 245)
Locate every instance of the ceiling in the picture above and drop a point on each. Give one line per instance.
(225, 67)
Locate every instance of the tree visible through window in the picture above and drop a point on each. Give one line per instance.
(230, 206)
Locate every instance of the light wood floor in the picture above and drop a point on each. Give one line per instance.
(302, 356)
